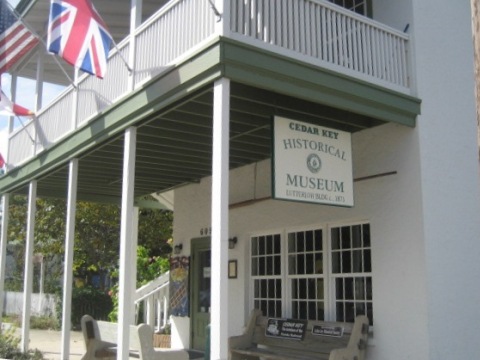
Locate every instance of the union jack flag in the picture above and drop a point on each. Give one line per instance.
(78, 34)
(15, 39)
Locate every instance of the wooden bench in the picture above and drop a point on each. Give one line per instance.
(255, 344)
(101, 338)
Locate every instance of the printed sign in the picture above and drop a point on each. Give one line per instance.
(311, 163)
(335, 331)
(286, 328)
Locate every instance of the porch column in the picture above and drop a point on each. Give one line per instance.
(3, 249)
(28, 275)
(127, 280)
(68, 266)
(135, 21)
(220, 195)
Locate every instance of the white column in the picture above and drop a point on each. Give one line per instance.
(222, 27)
(28, 275)
(127, 280)
(3, 248)
(68, 265)
(135, 21)
(220, 194)
(73, 119)
(40, 75)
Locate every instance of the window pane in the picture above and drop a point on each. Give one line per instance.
(336, 263)
(359, 289)
(310, 264)
(254, 246)
(349, 289)
(357, 236)
(263, 289)
(278, 295)
(312, 289)
(357, 261)
(340, 312)
(300, 242)
(320, 290)
(254, 266)
(269, 266)
(368, 261)
(346, 240)
(278, 265)
(292, 264)
(302, 288)
(291, 243)
(369, 288)
(277, 241)
(295, 289)
(261, 245)
(366, 235)
(349, 312)
(312, 310)
(309, 241)
(318, 240)
(339, 288)
(335, 238)
(318, 263)
(346, 262)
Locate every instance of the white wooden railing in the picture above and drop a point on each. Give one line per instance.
(326, 35)
(154, 297)
(314, 31)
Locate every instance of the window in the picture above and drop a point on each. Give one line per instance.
(351, 269)
(359, 6)
(266, 274)
(326, 274)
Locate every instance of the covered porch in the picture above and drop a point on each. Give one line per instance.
(202, 115)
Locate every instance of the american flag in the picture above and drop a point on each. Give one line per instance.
(78, 34)
(15, 39)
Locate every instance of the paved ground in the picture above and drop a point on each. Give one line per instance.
(50, 342)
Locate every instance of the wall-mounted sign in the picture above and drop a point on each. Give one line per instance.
(335, 331)
(286, 328)
(311, 163)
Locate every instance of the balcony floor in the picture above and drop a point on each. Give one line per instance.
(173, 113)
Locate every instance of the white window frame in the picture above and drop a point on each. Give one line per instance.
(328, 275)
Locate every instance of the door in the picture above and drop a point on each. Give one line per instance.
(201, 276)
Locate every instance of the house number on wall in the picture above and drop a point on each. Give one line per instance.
(206, 231)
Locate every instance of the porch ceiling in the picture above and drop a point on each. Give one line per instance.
(174, 146)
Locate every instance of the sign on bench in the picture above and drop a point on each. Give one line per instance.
(286, 328)
(336, 331)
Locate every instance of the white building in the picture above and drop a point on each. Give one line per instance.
(398, 76)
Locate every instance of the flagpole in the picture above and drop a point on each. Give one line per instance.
(25, 128)
(121, 56)
(19, 17)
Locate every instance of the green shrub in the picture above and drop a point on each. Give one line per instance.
(9, 347)
(87, 300)
(36, 322)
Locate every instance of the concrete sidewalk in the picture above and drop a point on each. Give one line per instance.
(49, 342)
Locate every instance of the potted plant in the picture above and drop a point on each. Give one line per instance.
(163, 338)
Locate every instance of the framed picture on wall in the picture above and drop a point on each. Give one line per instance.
(232, 269)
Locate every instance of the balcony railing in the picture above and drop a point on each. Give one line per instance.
(313, 31)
